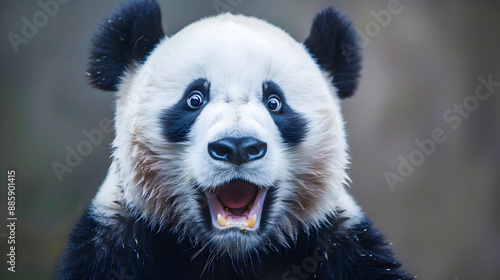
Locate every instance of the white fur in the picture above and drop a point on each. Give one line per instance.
(236, 54)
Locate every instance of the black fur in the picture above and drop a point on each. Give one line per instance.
(291, 124)
(96, 251)
(127, 37)
(177, 121)
(333, 42)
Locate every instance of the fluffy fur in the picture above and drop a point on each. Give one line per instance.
(150, 218)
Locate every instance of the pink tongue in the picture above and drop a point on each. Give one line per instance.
(236, 194)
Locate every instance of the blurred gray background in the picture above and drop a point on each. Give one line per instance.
(442, 219)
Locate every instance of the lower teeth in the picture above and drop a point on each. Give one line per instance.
(249, 223)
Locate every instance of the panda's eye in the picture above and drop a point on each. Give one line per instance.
(273, 103)
(195, 100)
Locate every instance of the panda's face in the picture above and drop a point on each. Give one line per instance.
(230, 131)
(233, 135)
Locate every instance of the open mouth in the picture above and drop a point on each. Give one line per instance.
(238, 204)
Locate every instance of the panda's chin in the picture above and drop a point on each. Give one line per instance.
(236, 204)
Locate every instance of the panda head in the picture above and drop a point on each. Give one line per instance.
(228, 132)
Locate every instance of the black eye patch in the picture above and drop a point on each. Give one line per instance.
(178, 120)
(291, 124)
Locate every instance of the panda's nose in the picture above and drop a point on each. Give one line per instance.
(237, 150)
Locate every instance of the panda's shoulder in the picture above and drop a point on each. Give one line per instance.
(109, 246)
(340, 250)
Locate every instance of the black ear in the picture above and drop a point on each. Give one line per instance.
(334, 43)
(128, 36)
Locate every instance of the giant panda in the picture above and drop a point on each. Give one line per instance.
(230, 155)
